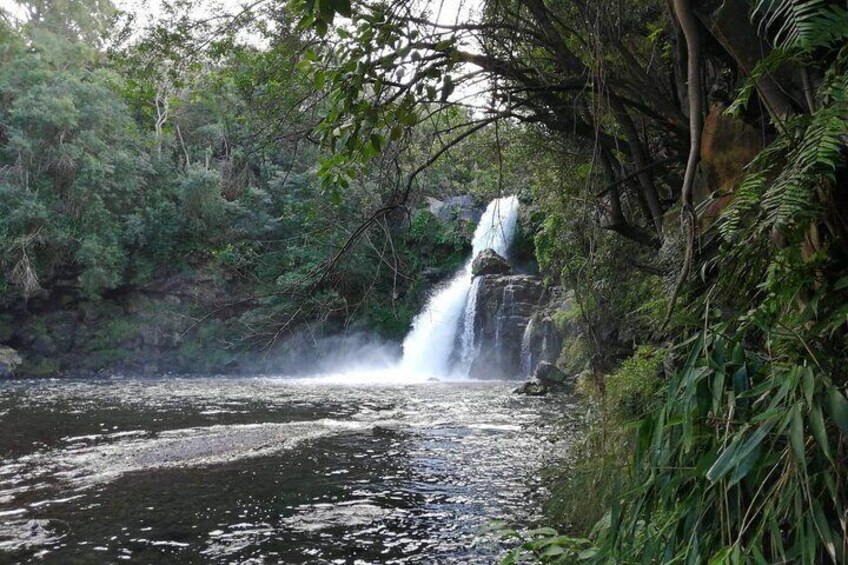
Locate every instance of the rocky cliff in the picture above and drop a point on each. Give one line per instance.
(513, 330)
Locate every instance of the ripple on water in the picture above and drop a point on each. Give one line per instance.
(266, 469)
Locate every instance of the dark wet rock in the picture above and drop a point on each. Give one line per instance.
(532, 388)
(9, 361)
(488, 262)
(548, 373)
(141, 330)
(541, 341)
(519, 323)
(505, 305)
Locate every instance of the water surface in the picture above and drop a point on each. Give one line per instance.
(268, 469)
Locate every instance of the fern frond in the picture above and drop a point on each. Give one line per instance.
(813, 159)
(764, 67)
(789, 200)
(802, 24)
(819, 152)
(828, 28)
(745, 198)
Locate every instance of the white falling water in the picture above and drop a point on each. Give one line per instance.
(506, 309)
(468, 343)
(428, 346)
(526, 351)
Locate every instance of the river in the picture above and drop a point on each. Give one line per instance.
(269, 469)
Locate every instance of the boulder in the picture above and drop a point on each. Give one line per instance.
(9, 361)
(532, 388)
(548, 373)
(434, 204)
(488, 262)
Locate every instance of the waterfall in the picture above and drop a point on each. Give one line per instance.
(428, 347)
(469, 346)
(526, 350)
(505, 310)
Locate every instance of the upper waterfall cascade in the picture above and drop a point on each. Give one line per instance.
(429, 346)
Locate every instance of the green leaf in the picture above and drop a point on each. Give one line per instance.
(741, 471)
(738, 451)
(837, 407)
(721, 557)
(544, 531)
(808, 384)
(554, 551)
(818, 428)
(326, 12)
(718, 389)
(587, 554)
(796, 435)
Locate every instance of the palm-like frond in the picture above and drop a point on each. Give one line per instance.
(804, 24)
(813, 159)
(782, 183)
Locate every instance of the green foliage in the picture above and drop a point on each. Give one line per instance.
(388, 319)
(583, 488)
(156, 164)
(803, 24)
(737, 432)
(70, 167)
(733, 459)
(631, 389)
(780, 191)
(739, 463)
(573, 250)
(436, 244)
(545, 545)
(38, 367)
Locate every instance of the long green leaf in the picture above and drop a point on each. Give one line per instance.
(837, 407)
(737, 451)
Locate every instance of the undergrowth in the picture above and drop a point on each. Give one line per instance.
(739, 454)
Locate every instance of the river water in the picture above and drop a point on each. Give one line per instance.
(269, 469)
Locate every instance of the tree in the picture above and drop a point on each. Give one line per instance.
(87, 21)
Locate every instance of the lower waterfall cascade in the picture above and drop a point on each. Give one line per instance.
(429, 347)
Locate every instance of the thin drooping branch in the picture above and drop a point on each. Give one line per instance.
(641, 161)
(435, 157)
(617, 222)
(632, 175)
(688, 24)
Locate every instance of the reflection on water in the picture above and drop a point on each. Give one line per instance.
(267, 470)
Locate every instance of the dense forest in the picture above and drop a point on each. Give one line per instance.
(208, 186)
(160, 169)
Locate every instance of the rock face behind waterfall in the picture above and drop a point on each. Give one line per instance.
(505, 306)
